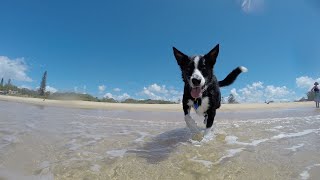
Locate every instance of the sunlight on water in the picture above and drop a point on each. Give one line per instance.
(39, 142)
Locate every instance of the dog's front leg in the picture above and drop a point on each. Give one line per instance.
(211, 115)
(189, 121)
(205, 119)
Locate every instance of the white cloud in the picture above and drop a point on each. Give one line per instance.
(252, 6)
(278, 93)
(108, 95)
(150, 94)
(159, 89)
(48, 89)
(117, 89)
(101, 88)
(175, 92)
(120, 98)
(306, 82)
(160, 92)
(257, 84)
(51, 89)
(14, 68)
(257, 92)
(234, 92)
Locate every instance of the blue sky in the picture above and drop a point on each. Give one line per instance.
(128, 45)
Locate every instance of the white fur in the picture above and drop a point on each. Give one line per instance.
(243, 69)
(204, 106)
(196, 61)
(196, 73)
(208, 132)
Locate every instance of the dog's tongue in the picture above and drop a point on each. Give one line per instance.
(196, 92)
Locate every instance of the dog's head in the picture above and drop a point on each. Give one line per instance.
(197, 71)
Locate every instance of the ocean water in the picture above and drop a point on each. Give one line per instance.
(42, 142)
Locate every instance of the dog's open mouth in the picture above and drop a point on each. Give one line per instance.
(196, 92)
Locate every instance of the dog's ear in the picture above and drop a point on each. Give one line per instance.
(211, 57)
(180, 57)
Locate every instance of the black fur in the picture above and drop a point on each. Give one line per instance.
(206, 67)
(231, 77)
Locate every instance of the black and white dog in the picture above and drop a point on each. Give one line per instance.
(201, 87)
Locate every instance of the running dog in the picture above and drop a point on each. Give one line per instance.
(201, 87)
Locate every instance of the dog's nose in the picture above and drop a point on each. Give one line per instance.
(196, 82)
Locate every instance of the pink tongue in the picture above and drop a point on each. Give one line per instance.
(196, 92)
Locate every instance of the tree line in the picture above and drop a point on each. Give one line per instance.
(9, 88)
(41, 92)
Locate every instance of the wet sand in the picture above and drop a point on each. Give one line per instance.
(40, 141)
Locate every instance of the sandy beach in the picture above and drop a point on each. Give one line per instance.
(149, 107)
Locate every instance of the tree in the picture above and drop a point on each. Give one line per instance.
(310, 96)
(9, 82)
(1, 84)
(232, 99)
(42, 89)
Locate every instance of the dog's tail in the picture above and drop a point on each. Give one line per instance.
(232, 76)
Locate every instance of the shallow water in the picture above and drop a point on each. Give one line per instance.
(41, 142)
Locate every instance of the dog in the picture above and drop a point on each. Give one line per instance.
(201, 87)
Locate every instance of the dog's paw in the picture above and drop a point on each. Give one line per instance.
(208, 132)
(191, 124)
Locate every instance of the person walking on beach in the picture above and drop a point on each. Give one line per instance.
(316, 91)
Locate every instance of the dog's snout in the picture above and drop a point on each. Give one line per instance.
(196, 82)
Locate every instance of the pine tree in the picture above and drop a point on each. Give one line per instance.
(9, 82)
(1, 84)
(42, 89)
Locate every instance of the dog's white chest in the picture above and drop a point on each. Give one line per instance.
(200, 110)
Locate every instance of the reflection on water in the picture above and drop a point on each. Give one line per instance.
(38, 142)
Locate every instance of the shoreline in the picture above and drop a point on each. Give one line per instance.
(150, 107)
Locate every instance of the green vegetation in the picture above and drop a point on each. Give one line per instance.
(72, 96)
(12, 90)
(42, 89)
(110, 100)
(310, 96)
(8, 87)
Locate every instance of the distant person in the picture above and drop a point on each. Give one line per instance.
(316, 91)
